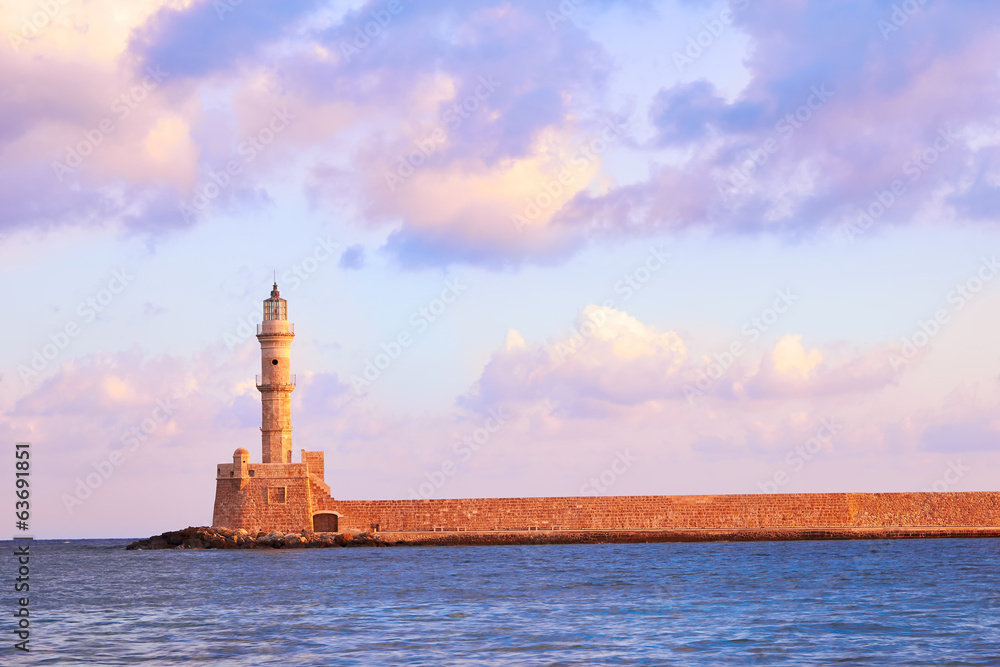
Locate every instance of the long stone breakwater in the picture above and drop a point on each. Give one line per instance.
(223, 538)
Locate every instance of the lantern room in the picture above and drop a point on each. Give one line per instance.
(275, 308)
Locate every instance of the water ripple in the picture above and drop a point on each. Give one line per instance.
(790, 603)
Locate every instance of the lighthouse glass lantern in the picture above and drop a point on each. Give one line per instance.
(275, 308)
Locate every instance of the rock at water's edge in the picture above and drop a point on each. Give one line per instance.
(205, 537)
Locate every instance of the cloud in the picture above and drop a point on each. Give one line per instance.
(466, 125)
(696, 111)
(790, 371)
(495, 87)
(324, 394)
(106, 149)
(964, 437)
(611, 359)
(612, 362)
(145, 423)
(965, 422)
(610, 382)
(485, 113)
(104, 384)
(833, 114)
(99, 135)
(208, 35)
(790, 358)
(352, 258)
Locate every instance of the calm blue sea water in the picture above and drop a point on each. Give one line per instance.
(916, 602)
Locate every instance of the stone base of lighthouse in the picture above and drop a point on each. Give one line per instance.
(273, 496)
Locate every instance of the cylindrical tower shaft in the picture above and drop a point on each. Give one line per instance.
(276, 381)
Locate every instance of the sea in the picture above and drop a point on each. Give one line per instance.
(886, 602)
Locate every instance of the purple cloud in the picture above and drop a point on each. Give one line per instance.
(838, 108)
(352, 258)
(844, 104)
(214, 35)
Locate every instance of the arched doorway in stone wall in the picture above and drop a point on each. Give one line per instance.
(325, 522)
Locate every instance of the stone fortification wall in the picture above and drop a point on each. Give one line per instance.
(670, 512)
(267, 497)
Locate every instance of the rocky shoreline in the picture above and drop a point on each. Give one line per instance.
(223, 538)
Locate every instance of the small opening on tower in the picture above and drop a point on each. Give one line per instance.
(274, 362)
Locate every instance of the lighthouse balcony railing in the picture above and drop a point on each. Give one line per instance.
(262, 383)
(291, 329)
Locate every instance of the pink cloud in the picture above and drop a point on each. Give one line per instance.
(790, 371)
(886, 99)
(623, 363)
(571, 405)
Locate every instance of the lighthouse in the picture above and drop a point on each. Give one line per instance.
(275, 494)
(276, 381)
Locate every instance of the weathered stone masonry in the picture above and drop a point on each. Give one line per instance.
(280, 495)
(275, 494)
(806, 510)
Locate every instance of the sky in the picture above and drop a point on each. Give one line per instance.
(529, 248)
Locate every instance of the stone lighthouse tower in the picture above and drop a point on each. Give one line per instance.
(275, 494)
(275, 381)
